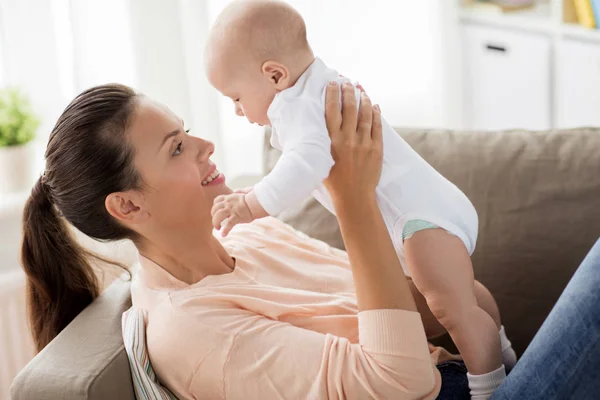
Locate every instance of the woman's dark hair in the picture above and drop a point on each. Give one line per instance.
(88, 157)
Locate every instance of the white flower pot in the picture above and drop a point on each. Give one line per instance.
(16, 168)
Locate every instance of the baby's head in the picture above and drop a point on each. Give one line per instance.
(255, 49)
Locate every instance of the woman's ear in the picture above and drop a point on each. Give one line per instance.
(126, 207)
(277, 74)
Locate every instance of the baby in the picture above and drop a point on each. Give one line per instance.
(258, 55)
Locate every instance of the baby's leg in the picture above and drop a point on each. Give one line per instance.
(441, 269)
(433, 328)
(485, 300)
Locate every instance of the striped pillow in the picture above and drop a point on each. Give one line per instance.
(145, 383)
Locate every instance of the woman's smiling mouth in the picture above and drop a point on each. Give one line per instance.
(214, 175)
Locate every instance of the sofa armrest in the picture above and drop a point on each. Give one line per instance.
(87, 360)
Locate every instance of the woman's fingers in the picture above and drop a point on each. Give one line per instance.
(348, 108)
(365, 118)
(333, 115)
(377, 128)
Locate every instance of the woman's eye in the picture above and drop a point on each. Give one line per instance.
(178, 149)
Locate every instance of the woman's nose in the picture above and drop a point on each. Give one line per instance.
(207, 148)
(238, 110)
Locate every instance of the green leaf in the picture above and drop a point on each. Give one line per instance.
(18, 123)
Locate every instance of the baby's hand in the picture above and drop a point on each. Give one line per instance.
(243, 190)
(230, 210)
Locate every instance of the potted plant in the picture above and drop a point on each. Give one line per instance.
(17, 129)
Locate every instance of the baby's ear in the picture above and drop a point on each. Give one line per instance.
(277, 74)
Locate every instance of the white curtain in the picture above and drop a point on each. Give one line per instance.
(401, 51)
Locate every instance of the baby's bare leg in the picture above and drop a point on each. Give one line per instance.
(486, 301)
(441, 270)
(433, 328)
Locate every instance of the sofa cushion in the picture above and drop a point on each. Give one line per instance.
(537, 196)
(145, 382)
(87, 359)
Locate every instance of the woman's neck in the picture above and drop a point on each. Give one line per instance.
(188, 258)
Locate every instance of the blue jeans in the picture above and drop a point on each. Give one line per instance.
(455, 385)
(563, 359)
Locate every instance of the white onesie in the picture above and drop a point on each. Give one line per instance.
(409, 188)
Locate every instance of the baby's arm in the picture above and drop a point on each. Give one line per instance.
(305, 162)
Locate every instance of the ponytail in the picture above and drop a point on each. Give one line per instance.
(88, 157)
(60, 278)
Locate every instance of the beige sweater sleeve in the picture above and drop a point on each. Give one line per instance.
(269, 359)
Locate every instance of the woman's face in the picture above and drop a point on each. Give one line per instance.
(179, 180)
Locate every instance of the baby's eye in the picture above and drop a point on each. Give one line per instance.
(236, 100)
(178, 149)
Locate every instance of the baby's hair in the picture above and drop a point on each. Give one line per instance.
(264, 29)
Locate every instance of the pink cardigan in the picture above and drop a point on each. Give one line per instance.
(283, 325)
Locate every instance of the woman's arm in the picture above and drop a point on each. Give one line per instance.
(357, 148)
(270, 359)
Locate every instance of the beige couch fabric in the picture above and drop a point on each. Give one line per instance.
(87, 360)
(538, 199)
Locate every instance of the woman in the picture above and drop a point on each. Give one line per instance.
(121, 166)
(267, 312)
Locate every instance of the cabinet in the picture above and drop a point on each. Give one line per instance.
(535, 68)
(506, 79)
(578, 84)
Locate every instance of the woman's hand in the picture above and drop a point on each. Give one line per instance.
(357, 149)
(356, 143)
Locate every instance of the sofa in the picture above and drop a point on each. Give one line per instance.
(538, 199)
